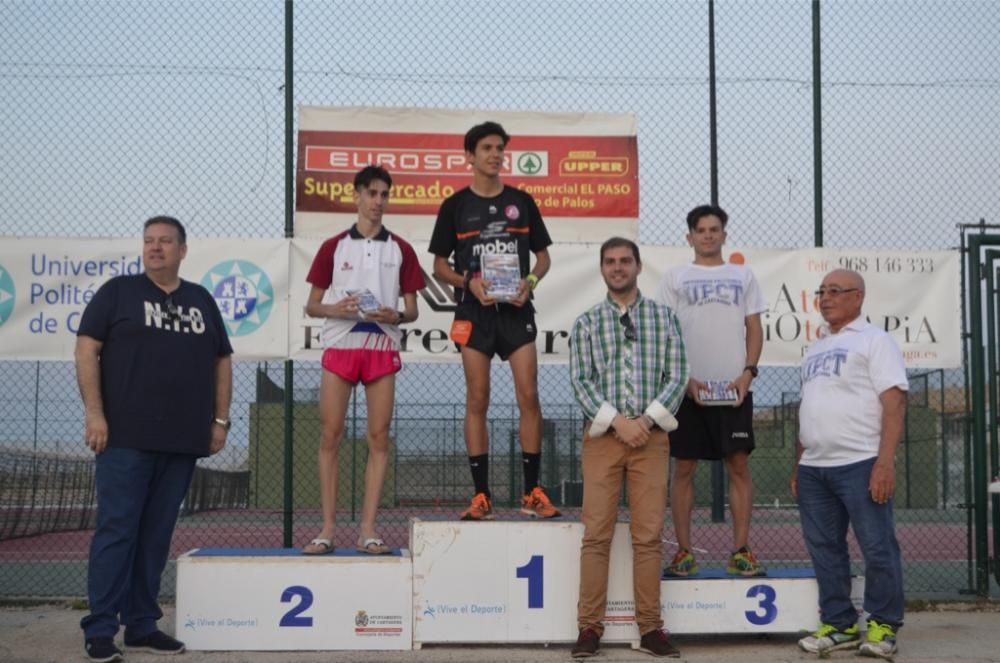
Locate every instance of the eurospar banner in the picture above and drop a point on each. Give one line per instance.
(582, 170)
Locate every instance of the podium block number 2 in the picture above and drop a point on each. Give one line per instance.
(534, 571)
(294, 616)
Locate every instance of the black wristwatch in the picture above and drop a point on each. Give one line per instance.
(753, 370)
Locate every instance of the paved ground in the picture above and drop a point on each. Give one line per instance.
(953, 633)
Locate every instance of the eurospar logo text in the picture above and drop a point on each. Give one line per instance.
(403, 160)
(410, 161)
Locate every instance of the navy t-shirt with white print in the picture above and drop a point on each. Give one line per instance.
(157, 363)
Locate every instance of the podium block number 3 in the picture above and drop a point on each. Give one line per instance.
(294, 616)
(534, 571)
(765, 596)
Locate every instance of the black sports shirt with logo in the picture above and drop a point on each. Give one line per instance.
(469, 225)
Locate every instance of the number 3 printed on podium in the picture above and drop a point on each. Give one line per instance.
(765, 596)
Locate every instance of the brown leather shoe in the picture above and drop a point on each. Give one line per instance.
(587, 644)
(658, 643)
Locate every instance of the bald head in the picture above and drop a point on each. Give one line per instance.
(848, 276)
(840, 297)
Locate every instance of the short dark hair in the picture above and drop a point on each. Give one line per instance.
(170, 221)
(702, 211)
(481, 131)
(616, 242)
(368, 174)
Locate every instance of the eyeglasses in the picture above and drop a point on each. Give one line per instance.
(833, 291)
(630, 333)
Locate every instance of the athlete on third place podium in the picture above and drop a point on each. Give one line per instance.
(719, 306)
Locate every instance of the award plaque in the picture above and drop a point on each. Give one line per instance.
(718, 394)
(502, 272)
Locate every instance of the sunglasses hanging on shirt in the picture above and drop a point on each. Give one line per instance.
(630, 333)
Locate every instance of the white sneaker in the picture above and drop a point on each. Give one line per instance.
(829, 638)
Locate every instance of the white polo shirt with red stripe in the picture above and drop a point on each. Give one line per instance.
(385, 264)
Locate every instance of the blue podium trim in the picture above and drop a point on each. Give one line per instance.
(285, 552)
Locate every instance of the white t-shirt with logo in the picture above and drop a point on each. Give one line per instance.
(713, 304)
(843, 374)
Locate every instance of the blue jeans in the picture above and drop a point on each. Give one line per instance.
(139, 494)
(829, 499)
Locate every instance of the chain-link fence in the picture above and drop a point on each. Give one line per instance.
(114, 112)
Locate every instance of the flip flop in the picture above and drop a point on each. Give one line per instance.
(325, 547)
(373, 546)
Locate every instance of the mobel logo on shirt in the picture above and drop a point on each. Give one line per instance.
(183, 320)
(496, 246)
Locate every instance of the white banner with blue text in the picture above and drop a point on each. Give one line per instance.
(261, 289)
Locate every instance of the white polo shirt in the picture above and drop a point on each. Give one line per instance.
(712, 304)
(843, 374)
(385, 264)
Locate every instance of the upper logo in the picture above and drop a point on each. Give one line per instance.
(361, 619)
(244, 294)
(512, 213)
(7, 295)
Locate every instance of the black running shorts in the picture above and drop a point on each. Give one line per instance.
(712, 432)
(498, 329)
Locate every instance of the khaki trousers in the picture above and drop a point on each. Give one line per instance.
(606, 461)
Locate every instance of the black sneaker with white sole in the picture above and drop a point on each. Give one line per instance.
(156, 642)
(102, 650)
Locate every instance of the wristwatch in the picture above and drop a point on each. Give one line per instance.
(753, 370)
(225, 423)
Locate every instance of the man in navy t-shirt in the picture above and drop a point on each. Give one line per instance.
(154, 368)
(478, 224)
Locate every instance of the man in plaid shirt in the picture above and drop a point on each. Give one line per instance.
(629, 373)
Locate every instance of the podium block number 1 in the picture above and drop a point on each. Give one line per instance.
(534, 571)
(294, 616)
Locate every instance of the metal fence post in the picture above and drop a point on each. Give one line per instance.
(977, 365)
(289, 401)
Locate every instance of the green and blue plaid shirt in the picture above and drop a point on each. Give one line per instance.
(612, 374)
